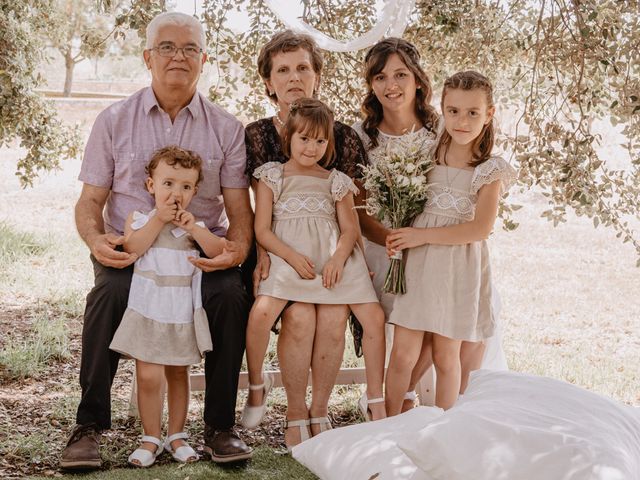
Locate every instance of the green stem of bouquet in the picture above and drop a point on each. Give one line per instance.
(395, 281)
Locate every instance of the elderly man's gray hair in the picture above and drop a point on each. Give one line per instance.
(173, 18)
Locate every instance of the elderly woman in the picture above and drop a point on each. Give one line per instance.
(312, 336)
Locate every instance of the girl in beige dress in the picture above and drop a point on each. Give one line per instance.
(305, 221)
(448, 274)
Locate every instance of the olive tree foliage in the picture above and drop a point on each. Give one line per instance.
(24, 114)
(560, 67)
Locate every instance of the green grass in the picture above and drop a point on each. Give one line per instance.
(266, 464)
(48, 342)
(16, 245)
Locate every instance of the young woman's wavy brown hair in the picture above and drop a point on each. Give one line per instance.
(374, 63)
(311, 117)
(483, 144)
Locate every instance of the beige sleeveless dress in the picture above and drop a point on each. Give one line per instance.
(304, 217)
(449, 290)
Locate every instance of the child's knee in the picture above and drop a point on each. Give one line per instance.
(403, 358)
(446, 359)
(149, 379)
(176, 373)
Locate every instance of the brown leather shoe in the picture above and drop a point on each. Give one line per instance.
(225, 446)
(82, 451)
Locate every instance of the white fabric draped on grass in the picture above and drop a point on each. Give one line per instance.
(391, 22)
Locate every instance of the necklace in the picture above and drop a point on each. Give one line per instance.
(279, 122)
(447, 188)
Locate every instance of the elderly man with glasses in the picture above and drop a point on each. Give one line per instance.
(169, 112)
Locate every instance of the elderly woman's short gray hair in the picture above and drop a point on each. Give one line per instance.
(173, 18)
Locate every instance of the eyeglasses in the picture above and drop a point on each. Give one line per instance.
(169, 50)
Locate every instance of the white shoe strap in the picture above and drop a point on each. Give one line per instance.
(150, 439)
(375, 400)
(256, 387)
(412, 395)
(177, 436)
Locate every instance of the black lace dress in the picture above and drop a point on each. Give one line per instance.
(264, 145)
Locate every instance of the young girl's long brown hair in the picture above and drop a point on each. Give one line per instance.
(374, 61)
(483, 144)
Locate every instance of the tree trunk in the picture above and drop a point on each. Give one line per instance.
(68, 78)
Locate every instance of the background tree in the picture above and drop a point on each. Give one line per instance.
(80, 33)
(25, 114)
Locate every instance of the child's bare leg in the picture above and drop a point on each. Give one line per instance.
(295, 345)
(264, 312)
(424, 363)
(471, 354)
(177, 401)
(371, 316)
(328, 349)
(150, 377)
(407, 345)
(446, 358)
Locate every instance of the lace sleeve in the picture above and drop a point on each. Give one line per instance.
(350, 152)
(263, 145)
(341, 185)
(496, 168)
(271, 175)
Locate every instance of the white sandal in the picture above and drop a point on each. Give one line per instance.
(145, 457)
(252, 416)
(181, 454)
(303, 425)
(324, 422)
(363, 405)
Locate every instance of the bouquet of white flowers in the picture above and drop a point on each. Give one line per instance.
(396, 185)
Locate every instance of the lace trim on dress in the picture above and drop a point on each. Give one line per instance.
(443, 199)
(271, 174)
(307, 202)
(341, 185)
(496, 168)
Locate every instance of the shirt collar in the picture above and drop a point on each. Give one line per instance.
(150, 101)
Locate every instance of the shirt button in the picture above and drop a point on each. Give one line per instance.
(168, 130)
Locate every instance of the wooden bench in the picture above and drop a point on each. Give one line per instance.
(346, 376)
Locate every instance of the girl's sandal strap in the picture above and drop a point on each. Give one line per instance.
(375, 400)
(148, 438)
(411, 395)
(176, 436)
(256, 387)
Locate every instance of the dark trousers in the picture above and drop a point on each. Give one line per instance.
(224, 298)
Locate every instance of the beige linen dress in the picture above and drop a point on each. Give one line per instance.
(449, 289)
(304, 217)
(164, 322)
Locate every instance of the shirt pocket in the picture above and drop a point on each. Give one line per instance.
(129, 175)
(210, 186)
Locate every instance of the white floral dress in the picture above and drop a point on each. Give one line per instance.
(304, 217)
(449, 288)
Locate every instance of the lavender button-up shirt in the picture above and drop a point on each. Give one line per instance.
(125, 135)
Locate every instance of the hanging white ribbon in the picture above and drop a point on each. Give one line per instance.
(392, 21)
